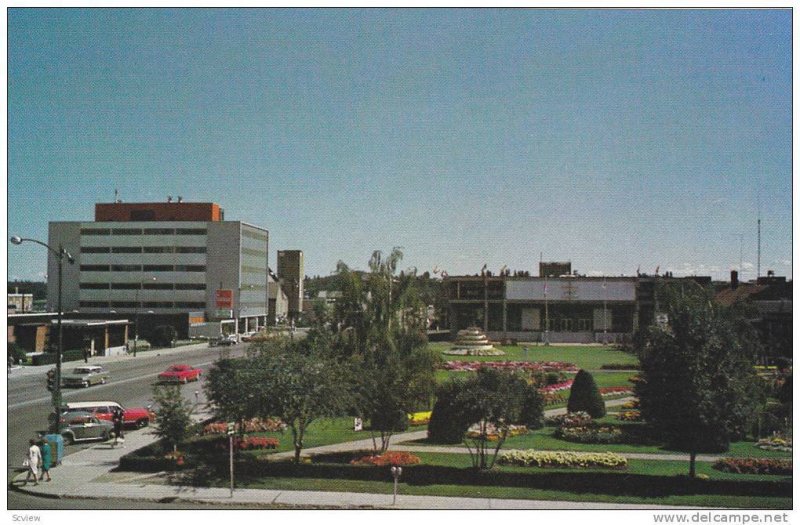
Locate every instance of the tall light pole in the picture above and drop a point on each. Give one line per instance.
(546, 316)
(136, 314)
(605, 314)
(59, 253)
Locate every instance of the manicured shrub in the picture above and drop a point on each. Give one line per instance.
(532, 409)
(448, 422)
(618, 366)
(163, 335)
(584, 395)
(785, 391)
(560, 459)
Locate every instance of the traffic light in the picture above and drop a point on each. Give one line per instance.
(51, 380)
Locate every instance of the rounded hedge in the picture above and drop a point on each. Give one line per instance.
(585, 396)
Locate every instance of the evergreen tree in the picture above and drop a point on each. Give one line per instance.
(585, 396)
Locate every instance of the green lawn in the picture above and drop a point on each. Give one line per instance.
(662, 469)
(587, 357)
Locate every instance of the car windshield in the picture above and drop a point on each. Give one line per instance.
(82, 370)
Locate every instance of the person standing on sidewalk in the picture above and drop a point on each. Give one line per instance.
(34, 458)
(118, 420)
(47, 460)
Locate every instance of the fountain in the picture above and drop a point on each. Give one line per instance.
(472, 341)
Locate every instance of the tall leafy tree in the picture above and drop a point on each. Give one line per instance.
(234, 388)
(381, 323)
(699, 388)
(173, 415)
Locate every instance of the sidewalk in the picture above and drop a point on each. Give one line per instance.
(85, 474)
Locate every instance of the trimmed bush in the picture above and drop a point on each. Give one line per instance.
(585, 396)
(448, 423)
(47, 358)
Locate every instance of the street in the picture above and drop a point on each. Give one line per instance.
(131, 384)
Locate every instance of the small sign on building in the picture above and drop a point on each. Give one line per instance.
(224, 299)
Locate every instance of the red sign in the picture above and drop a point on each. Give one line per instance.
(224, 299)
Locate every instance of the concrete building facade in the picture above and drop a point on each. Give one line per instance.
(164, 259)
(291, 272)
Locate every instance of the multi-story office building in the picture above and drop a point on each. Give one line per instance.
(172, 260)
(291, 272)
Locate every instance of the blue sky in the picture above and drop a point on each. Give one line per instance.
(616, 139)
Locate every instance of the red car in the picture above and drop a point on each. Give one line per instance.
(180, 374)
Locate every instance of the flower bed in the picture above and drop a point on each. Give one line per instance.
(533, 366)
(783, 444)
(630, 415)
(555, 459)
(251, 425)
(590, 434)
(570, 419)
(754, 466)
(394, 459)
(250, 443)
(556, 387)
(607, 391)
(492, 434)
(632, 404)
(419, 418)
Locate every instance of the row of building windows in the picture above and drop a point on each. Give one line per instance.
(143, 249)
(142, 286)
(143, 231)
(143, 304)
(143, 268)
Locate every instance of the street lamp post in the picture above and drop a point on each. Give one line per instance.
(59, 253)
(136, 315)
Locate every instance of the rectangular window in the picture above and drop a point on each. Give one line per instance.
(158, 249)
(190, 286)
(95, 231)
(95, 249)
(158, 268)
(159, 231)
(190, 249)
(124, 286)
(94, 286)
(190, 304)
(94, 304)
(126, 231)
(156, 286)
(126, 268)
(126, 249)
(191, 231)
(254, 235)
(122, 304)
(94, 267)
(190, 268)
(157, 304)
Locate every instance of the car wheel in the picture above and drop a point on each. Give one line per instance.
(141, 423)
(103, 381)
(69, 439)
(106, 436)
(86, 384)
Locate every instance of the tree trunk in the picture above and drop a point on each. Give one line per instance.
(692, 464)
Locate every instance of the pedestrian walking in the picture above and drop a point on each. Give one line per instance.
(47, 460)
(33, 460)
(118, 420)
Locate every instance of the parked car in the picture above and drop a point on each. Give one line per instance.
(85, 376)
(180, 374)
(104, 410)
(84, 426)
(227, 340)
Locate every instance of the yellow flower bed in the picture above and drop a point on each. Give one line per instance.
(419, 418)
(560, 459)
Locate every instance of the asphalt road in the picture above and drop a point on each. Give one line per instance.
(131, 384)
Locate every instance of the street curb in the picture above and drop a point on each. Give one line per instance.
(23, 490)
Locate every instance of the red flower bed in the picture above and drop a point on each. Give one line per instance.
(387, 459)
(754, 466)
(615, 390)
(250, 443)
(535, 366)
(250, 425)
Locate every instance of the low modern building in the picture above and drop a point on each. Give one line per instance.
(544, 309)
(170, 262)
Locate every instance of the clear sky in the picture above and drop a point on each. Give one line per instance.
(616, 139)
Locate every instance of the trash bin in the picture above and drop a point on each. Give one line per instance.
(56, 446)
